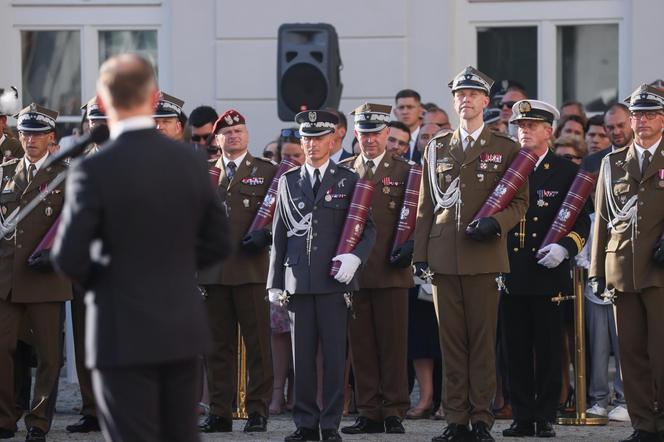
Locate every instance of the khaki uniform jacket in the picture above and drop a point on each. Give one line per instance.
(25, 284)
(438, 241)
(11, 146)
(243, 195)
(627, 265)
(390, 178)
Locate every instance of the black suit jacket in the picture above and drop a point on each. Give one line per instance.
(593, 161)
(548, 186)
(149, 201)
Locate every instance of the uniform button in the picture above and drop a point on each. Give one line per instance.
(229, 194)
(18, 246)
(516, 233)
(640, 218)
(315, 247)
(314, 234)
(315, 221)
(643, 189)
(535, 218)
(463, 185)
(534, 249)
(534, 235)
(516, 249)
(20, 231)
(640, 203)
(315, 208)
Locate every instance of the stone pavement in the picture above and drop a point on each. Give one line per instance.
(280, 426)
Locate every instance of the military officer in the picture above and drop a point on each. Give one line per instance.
(170, 117)
(628, 224)
(531, 322)
(313, 202)
(378, 333)
(28, 284)
(236, 292)
(465, 256)
(9, 103)
(88, 421)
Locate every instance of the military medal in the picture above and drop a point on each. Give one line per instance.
(660, 172)
(386, 164)
(392, 205)
(386, 190)
(245, 202)
(300, 205)
(48, 211)
(547, 166)
(328, 197)
(480, 177)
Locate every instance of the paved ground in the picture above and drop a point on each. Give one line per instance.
(280, 426)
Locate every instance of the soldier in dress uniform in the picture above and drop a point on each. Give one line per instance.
(88, 421)
(28, 284)
(9, 103)
(531, 322)
(628, 225)
(378, 333)
(466, 256)
(170, 117)
(313, 201)
(236, 293)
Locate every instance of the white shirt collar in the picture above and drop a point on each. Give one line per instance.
(413, 141)
(541, 158)
(376, 160)
(475, 134)
(640, 150)
(38, 164)
(131, 124)
(310, 170)
(237, 161)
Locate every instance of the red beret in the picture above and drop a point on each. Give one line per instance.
(229, 118)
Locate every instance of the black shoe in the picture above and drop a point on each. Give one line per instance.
(545, 429)
(35, 435)
(6, 434)
(481, 432)
(302, 434)
(642, 436)
(454, 433)
(331, 435)
(520, 429)
(255, 423)
(364, 425)
(216, 424)
(393, 425)
(85, 425)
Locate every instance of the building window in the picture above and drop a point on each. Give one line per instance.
(509, 53)
(588, 65)
(51, 66)
(142, 42)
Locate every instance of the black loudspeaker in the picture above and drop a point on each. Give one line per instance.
(307, 68)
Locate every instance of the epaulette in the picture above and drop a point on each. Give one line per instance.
(292, 169)
(503, 135)
(622, 149)
(344, 167)
(266, 160)
(396, 157)
(437, 140)
(10, 162)
(347, 161)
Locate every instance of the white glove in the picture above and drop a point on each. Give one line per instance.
(554, 254)
(274, 295)
(582, 261)
(349, 265)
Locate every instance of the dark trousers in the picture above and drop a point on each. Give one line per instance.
(318, 317)
(46, 320)
(88, 407)
(152, 403)
(227, 306)
(378, 336)
(641, 334)
(532, 327)
(467, 310)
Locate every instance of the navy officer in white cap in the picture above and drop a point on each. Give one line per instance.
(312, 204)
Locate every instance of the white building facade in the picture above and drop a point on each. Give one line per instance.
(224, 53)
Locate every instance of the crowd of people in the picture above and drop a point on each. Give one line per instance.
(463, 309)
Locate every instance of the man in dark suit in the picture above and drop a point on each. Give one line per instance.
(616, 123)
(136, 254)
(531, 323)
(312, 207)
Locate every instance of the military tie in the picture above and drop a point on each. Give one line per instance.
(31, 172)
(369, 165)
(645, 163)
(230, 170)
(316, 181)
(469, 143)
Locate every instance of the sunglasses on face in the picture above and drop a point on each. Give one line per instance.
(197, 138)
(509, 104)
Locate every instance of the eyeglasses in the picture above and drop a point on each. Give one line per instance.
(650, 115)
(569, 156)
(509, 104)
(197, 138)
(399, 142)
(290, 133)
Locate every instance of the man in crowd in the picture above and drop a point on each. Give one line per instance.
(427, 132)
(201, 121)
(137, 257)
(398, 138)
(408, 110)
(169, 116)
(571, 125)
(572, 107)
(378, 333)
(9, 103)
(596, 137)
(438, 116)
(628, 226)
(338, 152)
(619, 132)
(465, 255)
(311, 212)
(28, 285)
(531, 322)
(235, 294)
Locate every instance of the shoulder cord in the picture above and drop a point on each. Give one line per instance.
(616, 215)
(443, 200)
